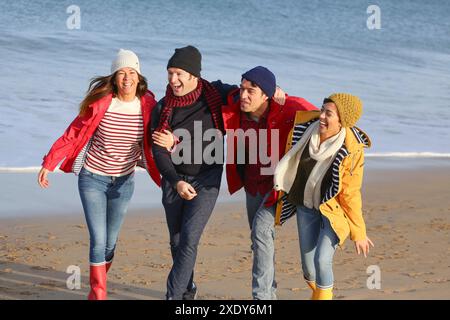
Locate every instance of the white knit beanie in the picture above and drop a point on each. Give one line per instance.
(125, 58)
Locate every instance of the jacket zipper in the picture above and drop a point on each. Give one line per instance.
(94, 113)
(83, 159)
(351, 167)
(144, 158)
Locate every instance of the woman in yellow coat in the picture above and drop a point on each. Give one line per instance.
(320, 177)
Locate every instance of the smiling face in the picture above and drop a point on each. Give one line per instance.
(127, 80)
(181, 82)
(330, 124)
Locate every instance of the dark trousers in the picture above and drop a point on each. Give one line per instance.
(186, 220)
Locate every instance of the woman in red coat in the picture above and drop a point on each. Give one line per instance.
(102, 146)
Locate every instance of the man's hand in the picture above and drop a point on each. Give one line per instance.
(163, 139)
(185, 190)
(279, 96)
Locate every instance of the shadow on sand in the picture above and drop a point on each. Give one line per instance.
(25, 282)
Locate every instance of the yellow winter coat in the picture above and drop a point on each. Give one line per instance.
(342, 203)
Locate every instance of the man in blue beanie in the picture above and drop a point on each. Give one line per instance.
(252, 108)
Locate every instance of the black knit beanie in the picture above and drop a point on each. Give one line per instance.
(187, 58)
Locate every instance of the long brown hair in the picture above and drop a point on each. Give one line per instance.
(100, 87)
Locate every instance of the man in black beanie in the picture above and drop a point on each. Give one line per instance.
(189, 188)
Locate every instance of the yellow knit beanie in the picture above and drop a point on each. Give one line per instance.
(349, 108)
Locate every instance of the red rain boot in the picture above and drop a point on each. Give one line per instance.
(97, 279)
(108, 266)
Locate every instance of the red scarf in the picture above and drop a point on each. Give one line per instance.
(213, 100)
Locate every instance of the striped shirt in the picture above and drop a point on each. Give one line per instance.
(116, 145)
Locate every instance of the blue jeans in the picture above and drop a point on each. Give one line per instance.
(262, 225)
(186, 220)
(105, 201)
(318, 243)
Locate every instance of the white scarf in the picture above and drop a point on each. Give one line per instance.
(287, 167)
(324, 153)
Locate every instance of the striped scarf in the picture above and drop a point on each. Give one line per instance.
(213, 100)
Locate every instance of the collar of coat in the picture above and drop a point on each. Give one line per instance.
(103, 103)
(231, 112)
(355, 137)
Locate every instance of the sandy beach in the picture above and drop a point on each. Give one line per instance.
(407, 212)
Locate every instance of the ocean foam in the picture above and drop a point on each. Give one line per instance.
(385, 155)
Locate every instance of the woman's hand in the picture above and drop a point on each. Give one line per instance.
(185, 190)
(163, 139)
(42, 178)
(363, 246)
(279, 96)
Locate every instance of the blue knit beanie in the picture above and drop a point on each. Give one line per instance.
(262, 77)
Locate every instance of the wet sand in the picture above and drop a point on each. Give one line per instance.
(407, 213)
